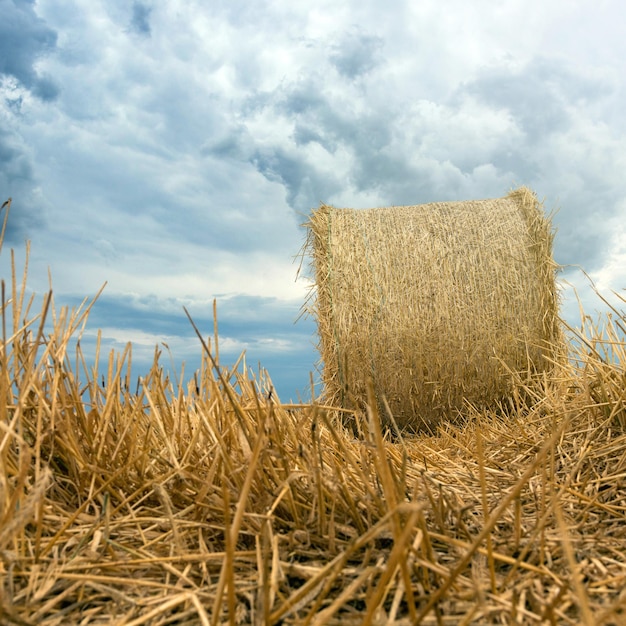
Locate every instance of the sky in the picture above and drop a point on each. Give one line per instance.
(174, 149)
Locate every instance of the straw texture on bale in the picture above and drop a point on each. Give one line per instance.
(438, 304)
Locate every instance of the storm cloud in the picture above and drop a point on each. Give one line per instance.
(24, 38)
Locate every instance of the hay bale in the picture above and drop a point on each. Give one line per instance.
(436, 304)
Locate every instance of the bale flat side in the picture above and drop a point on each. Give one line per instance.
(436, 303)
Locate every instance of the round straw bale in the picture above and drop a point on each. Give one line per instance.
(436, 304)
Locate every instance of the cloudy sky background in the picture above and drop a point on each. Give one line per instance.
(172, 149)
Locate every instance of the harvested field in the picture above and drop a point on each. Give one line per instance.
(214, 503)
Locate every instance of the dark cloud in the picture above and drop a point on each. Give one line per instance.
(140, 20)
(17, 181)
(379, 155)
(24, 37)
(539, 95)
(356, 54)
(251, 318)
(306, 187)
(318, 117)
(235, 144)
(305, 134)
(582, 220)
(258, 323)
(301, 98)
(307, 105)
(283, 161)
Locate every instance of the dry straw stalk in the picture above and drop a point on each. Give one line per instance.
(439, 304)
